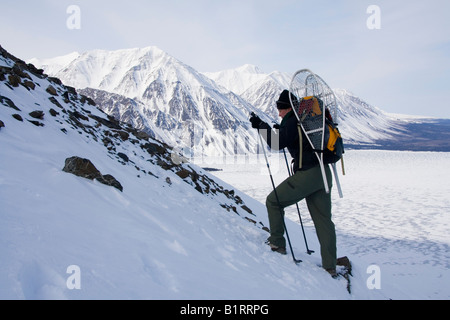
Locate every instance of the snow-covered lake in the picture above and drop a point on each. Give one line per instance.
(394, 214)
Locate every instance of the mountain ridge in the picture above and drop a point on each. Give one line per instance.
(209, 108)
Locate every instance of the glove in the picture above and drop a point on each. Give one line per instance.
(255, 120)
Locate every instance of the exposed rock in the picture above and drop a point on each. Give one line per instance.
(141, 135)
(55, 80)
(110, 123)
(85, 99)
(85, 168)
(17, 117)
(183, 174)
(37, 114)
(55, 102)
(14, 80)
(29, 84)
(51, 90)
(107, 142)
(36, 123)
(19, 69)
(81, 167)
(77, 115)
(153, 148)
(8, 103)
(123, 156)
(247, 209)
(53, 112)
(109, 180)
(71, 90)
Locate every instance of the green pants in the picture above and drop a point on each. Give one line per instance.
(305, 185)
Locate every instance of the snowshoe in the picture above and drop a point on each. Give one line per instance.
(345, 263)
(344, 269)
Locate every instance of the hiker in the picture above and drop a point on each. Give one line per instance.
(305, 183)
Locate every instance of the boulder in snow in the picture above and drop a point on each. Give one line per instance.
(86, 169)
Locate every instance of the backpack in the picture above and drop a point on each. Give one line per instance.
(333, 147)
(333, 143)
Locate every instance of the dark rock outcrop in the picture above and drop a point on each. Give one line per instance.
(85, 168)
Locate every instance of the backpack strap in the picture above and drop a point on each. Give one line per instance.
(300, 139)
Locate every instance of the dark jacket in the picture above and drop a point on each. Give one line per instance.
(287, 136)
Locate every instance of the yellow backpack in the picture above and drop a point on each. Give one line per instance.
(334, 149)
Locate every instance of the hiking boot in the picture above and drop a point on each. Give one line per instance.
(332, 272)
(281, 250)
(278, 249)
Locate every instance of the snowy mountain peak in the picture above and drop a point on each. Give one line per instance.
(176, 101)
(54, 65)
(106, 70)
(249, 68)
(237, 80)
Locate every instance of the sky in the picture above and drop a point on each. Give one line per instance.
(395, 55)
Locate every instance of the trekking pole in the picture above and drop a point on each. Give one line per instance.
(278, 200)
(298, 209)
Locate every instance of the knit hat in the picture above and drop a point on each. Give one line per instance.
(284, 102)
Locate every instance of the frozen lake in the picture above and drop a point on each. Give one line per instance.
(395, 211)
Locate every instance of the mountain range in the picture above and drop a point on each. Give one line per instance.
(207, 113)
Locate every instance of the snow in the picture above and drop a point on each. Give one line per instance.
(394, 215)
(55, 65)
(160, 240)
(155, 241)
(237, 80)
(178, 101)
(409, 117)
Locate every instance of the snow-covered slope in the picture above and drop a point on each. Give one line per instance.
(173, 232)
(237, 80)
(54, 65)
(361, 123)
(256, 87)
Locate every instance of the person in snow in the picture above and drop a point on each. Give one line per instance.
(305, 183)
